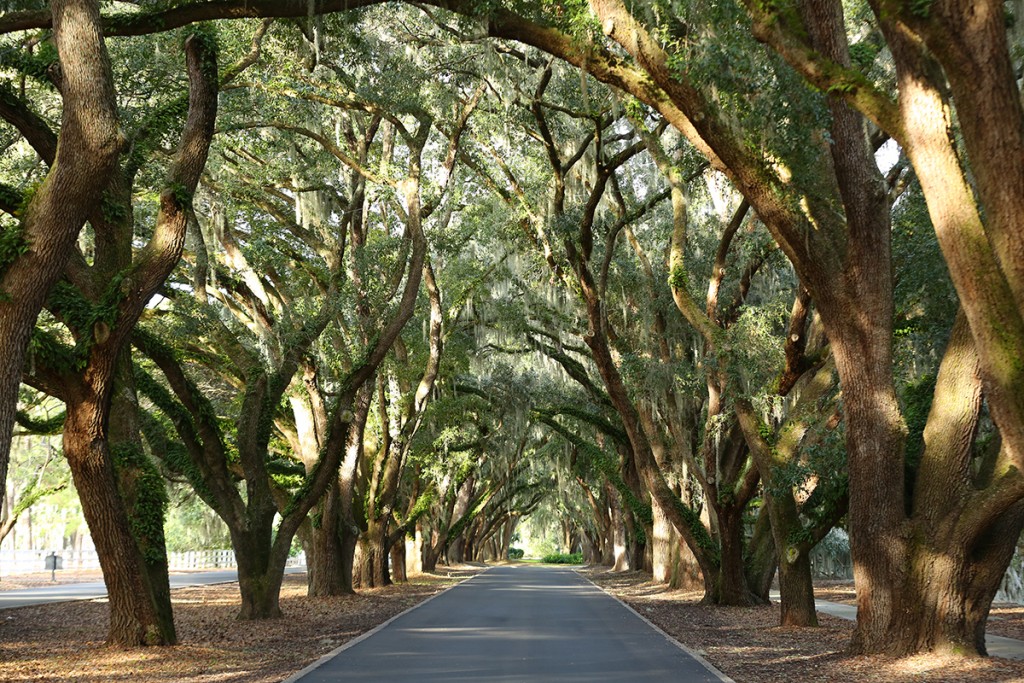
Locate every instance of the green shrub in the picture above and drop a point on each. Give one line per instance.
(563, 558)
(516, 553)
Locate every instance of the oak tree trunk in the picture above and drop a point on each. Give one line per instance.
(142, 488)
(85, 158)
(134, 618)
(325, 563)
(796, 589)
(398, 562)
(372, 557)
(259, 578)
(664, 547)
(732, 580)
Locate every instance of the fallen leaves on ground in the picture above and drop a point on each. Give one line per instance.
(747, 644)
(64, 642)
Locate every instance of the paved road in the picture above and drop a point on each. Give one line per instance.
(513, 625)
(96, 589)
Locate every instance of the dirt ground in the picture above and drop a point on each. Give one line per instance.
(64, 642)
(749, 646)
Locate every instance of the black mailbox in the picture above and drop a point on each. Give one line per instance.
(54, 561)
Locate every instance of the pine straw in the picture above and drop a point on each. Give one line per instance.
(748, 645)
(64, 642)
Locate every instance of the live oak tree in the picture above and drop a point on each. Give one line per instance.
(357, 261)
(264, 381)
(96, 306)
(81, 156)
(812, 181)
(942, 603)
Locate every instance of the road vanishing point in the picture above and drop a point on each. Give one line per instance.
(515, 625)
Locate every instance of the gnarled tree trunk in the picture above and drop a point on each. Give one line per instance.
(84, 160)
(134, 617)
(259, 578)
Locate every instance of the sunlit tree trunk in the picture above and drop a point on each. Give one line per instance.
(325, 564)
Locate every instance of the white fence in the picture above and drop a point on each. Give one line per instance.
(25, 561)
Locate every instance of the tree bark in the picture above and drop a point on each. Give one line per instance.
(398, 562)
(134, 618)
(325, 564)
(259, 577)
(731, 580)
(347, 482)
(142, 487)
(762, 560)
(664, 547)
(85, 158)
(620, 558)
(373, 570)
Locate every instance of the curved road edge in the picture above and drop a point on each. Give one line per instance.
(693, 653)
(379, 627)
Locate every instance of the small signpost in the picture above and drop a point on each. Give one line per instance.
(53, 563)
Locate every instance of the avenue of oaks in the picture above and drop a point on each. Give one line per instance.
(697, 281)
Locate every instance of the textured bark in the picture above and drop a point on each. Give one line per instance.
(325, 565)
(430, 557)
(949, 591)
(141, 485)
(259, 576)
(762, 560)
(664, 548)
(347, 481)
(732, 588)
(398, 563)
(795, 581)
(134, 618)
(373, 569)
(958, 547)
(877, 540)
(86, 156)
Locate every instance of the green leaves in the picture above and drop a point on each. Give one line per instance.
(13, 245)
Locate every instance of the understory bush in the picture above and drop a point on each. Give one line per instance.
(563, 558)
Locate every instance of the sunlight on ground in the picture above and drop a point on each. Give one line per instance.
(912, 668)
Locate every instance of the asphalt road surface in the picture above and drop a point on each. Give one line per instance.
(512, 625)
